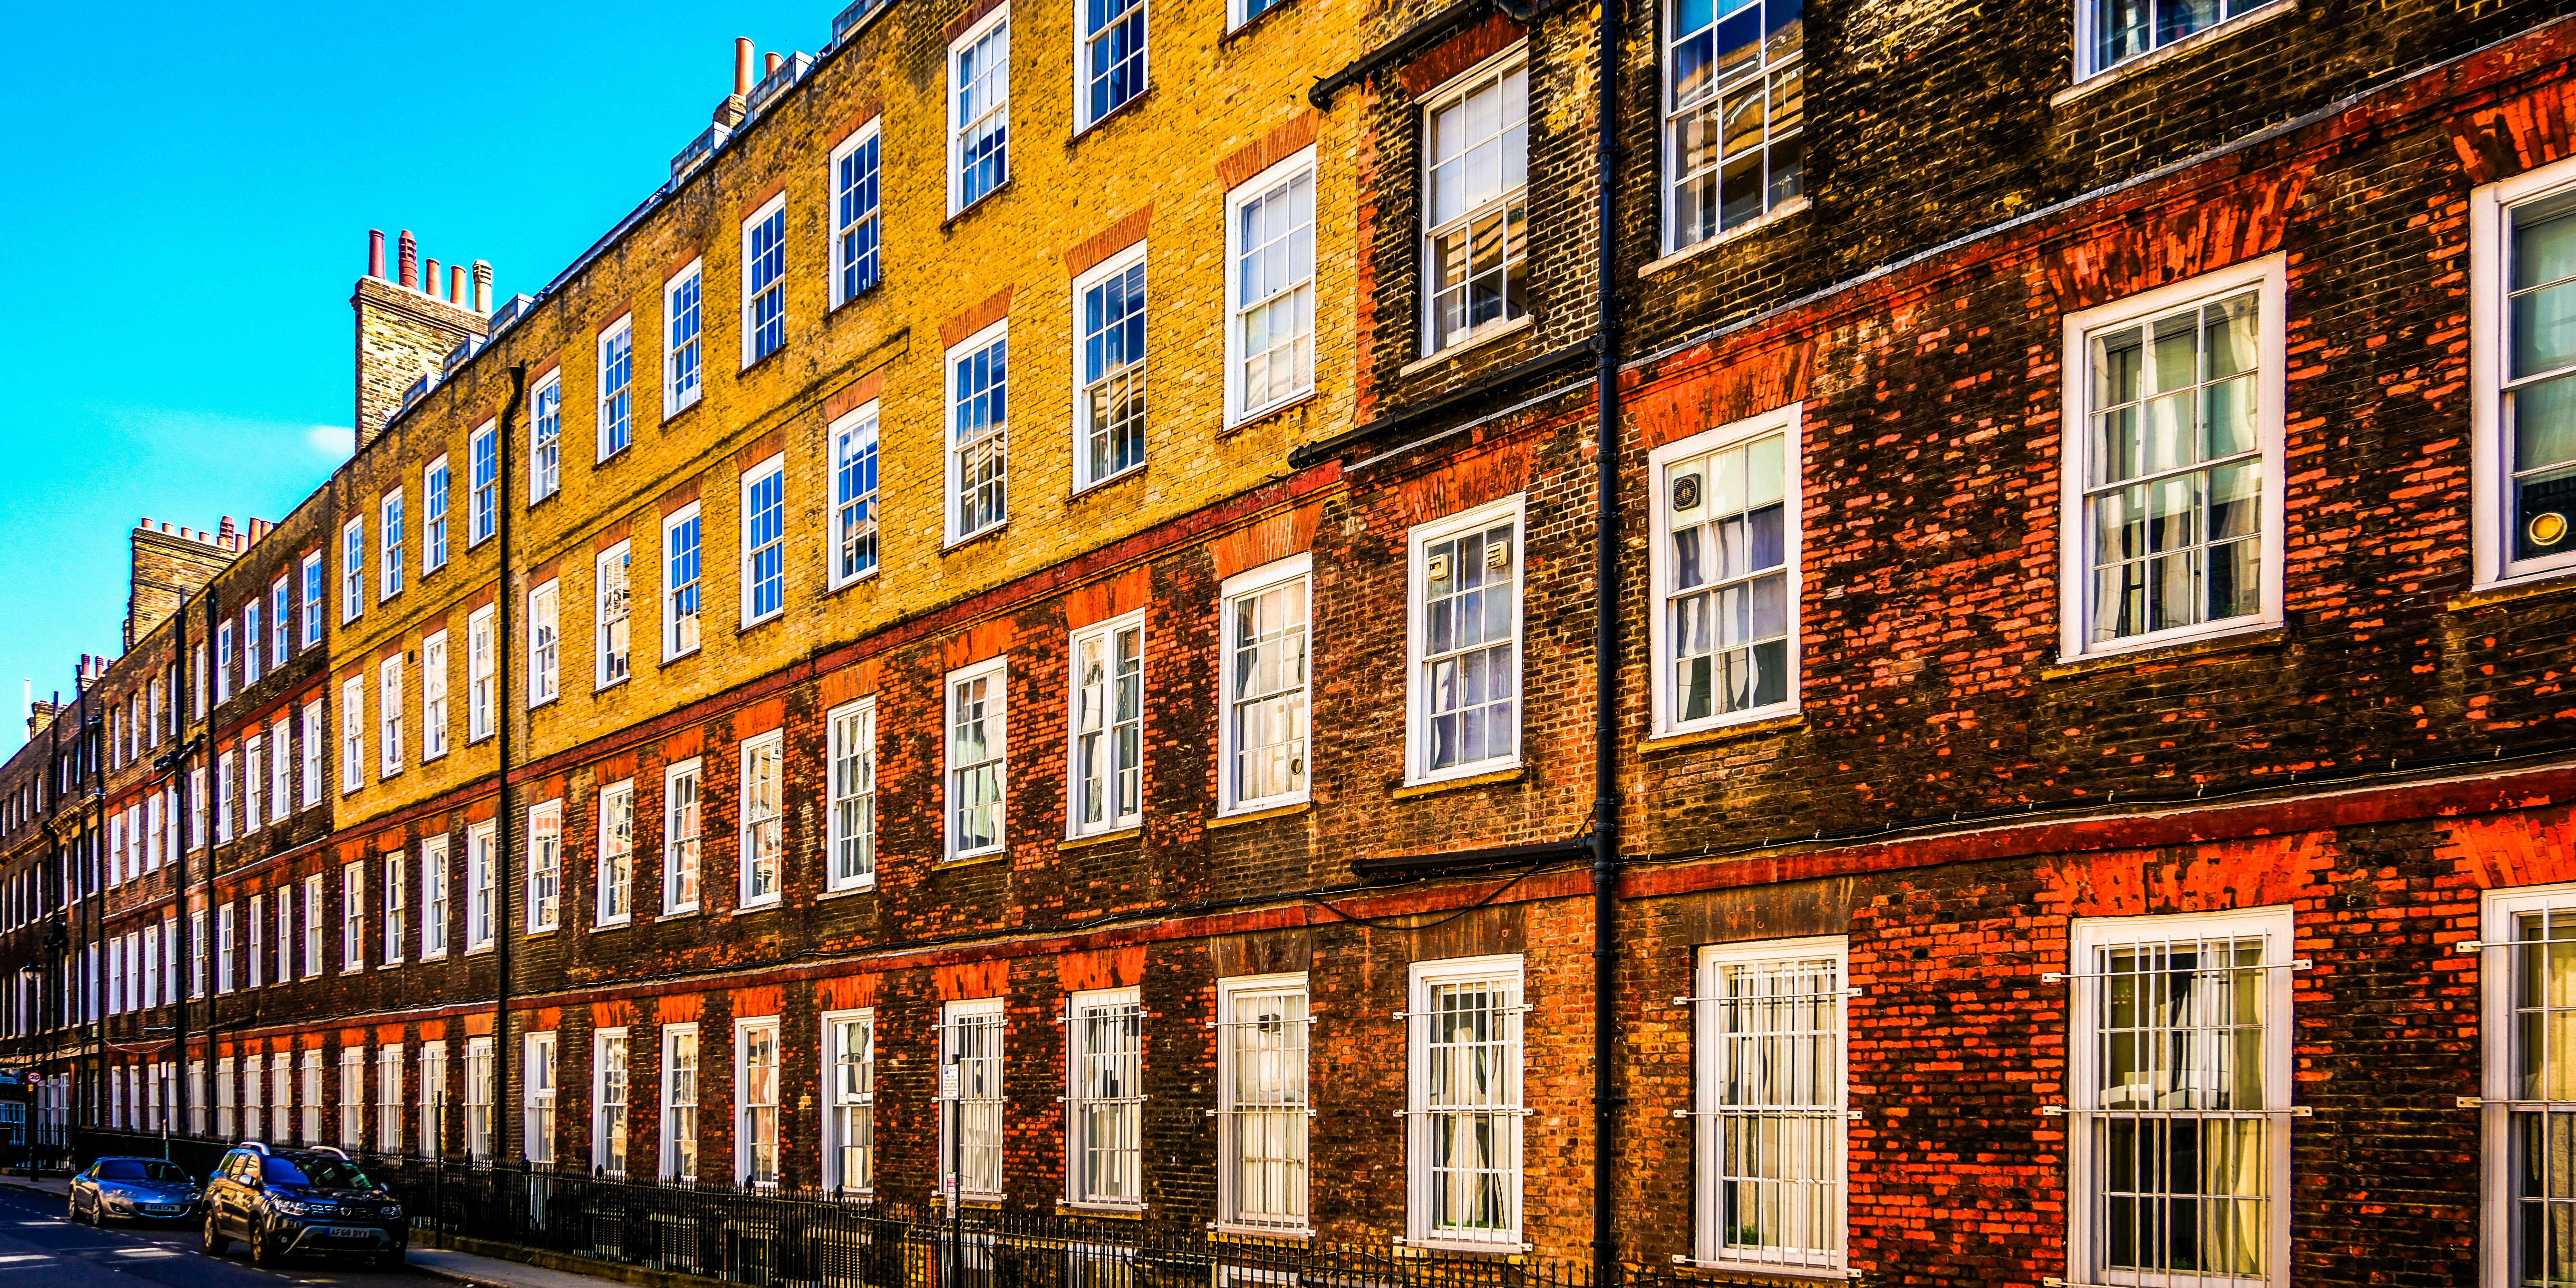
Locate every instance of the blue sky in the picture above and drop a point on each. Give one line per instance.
(190, 192)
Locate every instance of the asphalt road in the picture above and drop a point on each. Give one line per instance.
(39, 1248)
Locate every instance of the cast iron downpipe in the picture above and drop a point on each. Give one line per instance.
(501, 751)
(1605, 676)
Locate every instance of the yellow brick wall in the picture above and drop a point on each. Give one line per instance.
(1210, 99)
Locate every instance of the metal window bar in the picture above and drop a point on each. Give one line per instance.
(2180, 1126)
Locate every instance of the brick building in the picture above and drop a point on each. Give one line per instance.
(2051, 688)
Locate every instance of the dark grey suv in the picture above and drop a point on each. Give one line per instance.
(315, 1200)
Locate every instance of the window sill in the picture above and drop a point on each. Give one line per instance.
(1723, 733)
(2552, 582)
(1268, 412)
(1111, 116)
(1260, 815)
(1461, 349)
(865, 887)
(1796, 205)
(977, 204)
(960, 543)
(1092, 840)
(972, 860)
(2261, 635)
(1416, 791)
(2113, 75)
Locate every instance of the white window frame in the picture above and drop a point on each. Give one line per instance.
(997, 743)
(436, 912)
(989, 1016)
(482, 893)
(849, 1098)
(540, 1093)
(483, 495)
(681, 1163)
(1081, 735)
(2502, 954)
(1089, 1181)
(353, 569)
(1295, 569)
(433, 696)
(957, 129)
(611, 1071)
(846, 222)
(353, 734)
(681, 635)
(774, 208)
(481, 692)
(545, 642)
(1238, 405)
(1714, 1111)
(435, 503)
(1420, 1124)
(1497, 71)
(773, 468)
(1289, 1104)
(353, 917)
(616, 866)
(692, 769)
(952, 452)
(544, 907)
(1085, 38)
(856, 513)
(2268, 278)
(850, 787)
(615, 407)
(389, 717)
(684, 367)
(1788, 422)
(1089, 280)
(389, 523)
(746, 1160)
(2491, 208)
(612, 616)
(1418, 689)
(545, 437)
(2085, 937)
(756, 810)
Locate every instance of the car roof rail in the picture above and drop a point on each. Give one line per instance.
(260, 1145)
(333, 1150)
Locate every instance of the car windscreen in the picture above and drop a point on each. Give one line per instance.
(141, 1169)
(329, 1173)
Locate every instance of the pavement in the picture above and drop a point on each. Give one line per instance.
(35, 1235)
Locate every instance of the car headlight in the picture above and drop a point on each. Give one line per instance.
(291, 1207)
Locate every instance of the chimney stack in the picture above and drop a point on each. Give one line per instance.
(408, 257)
(376, 253)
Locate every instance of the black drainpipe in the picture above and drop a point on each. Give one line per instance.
(1605, 678)
(501, 752)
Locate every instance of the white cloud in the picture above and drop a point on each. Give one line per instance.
(332, 442)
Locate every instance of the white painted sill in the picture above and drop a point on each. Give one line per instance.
(2113, 75)
(1796, 205)
(1514, 327)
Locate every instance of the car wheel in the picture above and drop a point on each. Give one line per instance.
(215, 1240)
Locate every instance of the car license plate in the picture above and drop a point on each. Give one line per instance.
(347, 1232)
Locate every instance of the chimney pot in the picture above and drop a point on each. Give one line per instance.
(742, 65)
(482, 286)
(429, 278)
(376, 253)
(408, 257)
